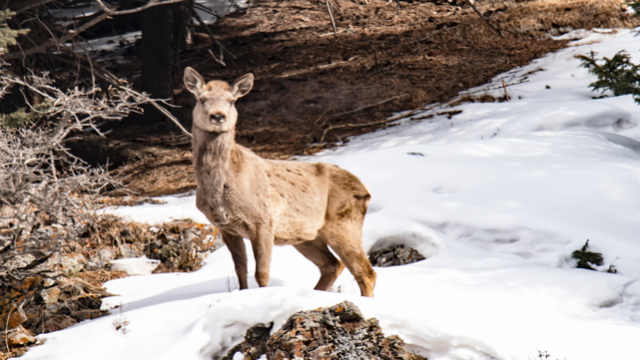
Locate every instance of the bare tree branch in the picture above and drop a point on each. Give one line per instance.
(54, 42)
(150, 4)
(30, 4)
(206, 28)
(470, 2)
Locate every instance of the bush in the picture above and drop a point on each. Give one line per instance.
(617, 74)
(587, 258)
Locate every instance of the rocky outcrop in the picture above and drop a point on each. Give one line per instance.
(339, 332)
(395, 255)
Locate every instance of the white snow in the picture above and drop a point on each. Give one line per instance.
(135, 266)
(497, 198)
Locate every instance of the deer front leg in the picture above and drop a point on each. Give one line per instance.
(262, 245)
(235, 244)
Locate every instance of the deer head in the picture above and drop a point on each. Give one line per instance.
(215, 109)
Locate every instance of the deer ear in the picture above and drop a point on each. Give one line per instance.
(192, 80)
(242, 86)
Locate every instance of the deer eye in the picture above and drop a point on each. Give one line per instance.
(202, 101)
(232, 102)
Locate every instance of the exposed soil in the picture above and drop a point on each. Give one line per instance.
(386, 57)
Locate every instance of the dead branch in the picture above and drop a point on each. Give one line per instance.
(369, 106)
(28, 5)
(380, 122)
(484, 18)
(206, 28)
(110, 78)
(314, 68)
(54, 42)
(506, 94)
(221, 61)
(333, 22)
(150, 4)
(170, 116)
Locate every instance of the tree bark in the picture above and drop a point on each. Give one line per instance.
(162, 33)
(157, 52)
(157, 56)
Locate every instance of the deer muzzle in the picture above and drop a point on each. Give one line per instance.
(217, 118)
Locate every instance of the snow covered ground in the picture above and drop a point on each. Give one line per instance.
(497, 197)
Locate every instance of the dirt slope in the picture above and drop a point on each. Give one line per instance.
(386, 56)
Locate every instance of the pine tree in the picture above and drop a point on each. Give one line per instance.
(617, 74)
(7, 35)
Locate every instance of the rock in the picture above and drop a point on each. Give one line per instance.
(19, 261)
(50, 295)
(106, 255)
(47, 283)
(395, 255)
(254, 345)
(20, 336)
(100, 259)
(339, 332)
(127, 251)
(73, 263)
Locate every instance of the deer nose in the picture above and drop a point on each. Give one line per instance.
(219, 118)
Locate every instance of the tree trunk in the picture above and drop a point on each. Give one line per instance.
(157, 52)
(162, 30)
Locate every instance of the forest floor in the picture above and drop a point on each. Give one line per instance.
(386, 57)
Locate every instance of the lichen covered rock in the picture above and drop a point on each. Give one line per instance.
(339, 332)
(395, 255)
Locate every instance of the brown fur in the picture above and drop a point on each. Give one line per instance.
(308, 205)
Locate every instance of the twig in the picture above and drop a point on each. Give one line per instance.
(151, 3)
(506, 94)
(320, 117)
(54, 42)
(319, 67)
(170, 116)
(398, 6)
(369, 106)
(484, 18)
(333, 22)
(221, 61)
(206, 28)
(32, 5)
(109, 77)
(17, 237)
(6, 330)
(333, 127)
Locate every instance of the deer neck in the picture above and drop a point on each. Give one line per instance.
(211, 147)
(212, 153)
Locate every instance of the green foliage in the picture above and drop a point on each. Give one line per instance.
(617, 74)
(587, 258)
(21, 117)
(7, 35)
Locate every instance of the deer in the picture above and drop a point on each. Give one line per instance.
(311, 206)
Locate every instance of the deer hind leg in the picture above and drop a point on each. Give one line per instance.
(345, 238)
(235, 244)
(319, 254)
(262, 246)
